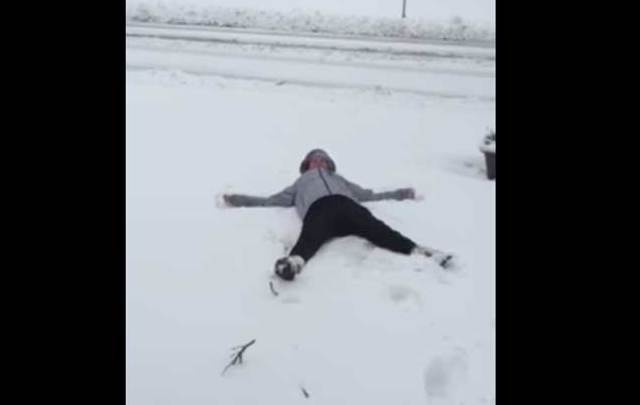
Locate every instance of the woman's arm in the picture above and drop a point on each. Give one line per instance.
(364, 194)
(285, 198)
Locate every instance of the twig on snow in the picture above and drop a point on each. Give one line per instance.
(237, 357)
(273, 290)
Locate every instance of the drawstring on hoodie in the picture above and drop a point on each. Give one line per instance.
(325, 181)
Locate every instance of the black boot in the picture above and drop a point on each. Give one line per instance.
(445, 260)
(287, 267)
(284, 270)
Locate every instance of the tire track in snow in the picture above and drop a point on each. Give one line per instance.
(308, 83)
(363, 49)
(317, 61)
(312, 35)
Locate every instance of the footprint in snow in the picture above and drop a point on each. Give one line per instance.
(444, 376)
(404, 297)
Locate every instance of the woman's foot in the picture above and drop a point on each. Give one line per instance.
(445, 260)
(287, 267)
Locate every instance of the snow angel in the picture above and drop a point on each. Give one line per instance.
(328, 205)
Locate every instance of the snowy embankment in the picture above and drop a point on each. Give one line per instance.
(435, 20)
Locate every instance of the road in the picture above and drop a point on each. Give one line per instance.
(425, 68)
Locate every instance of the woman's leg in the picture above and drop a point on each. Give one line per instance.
(364, 224)
(318, 227)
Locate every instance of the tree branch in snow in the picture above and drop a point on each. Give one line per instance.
(237, 357)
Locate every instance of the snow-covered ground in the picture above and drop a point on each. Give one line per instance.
(360, 325)
(426, 19)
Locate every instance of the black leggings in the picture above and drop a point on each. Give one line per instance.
(336, 216)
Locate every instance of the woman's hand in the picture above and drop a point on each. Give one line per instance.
(224, 200)
(407, 193)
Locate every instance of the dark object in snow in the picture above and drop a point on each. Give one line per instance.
(490, 160)
(237, 357)
(445, 260)
(287, 267)
(488, 147)
(273, 290)
(306, 394)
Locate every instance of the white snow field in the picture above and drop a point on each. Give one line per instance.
(360, 325)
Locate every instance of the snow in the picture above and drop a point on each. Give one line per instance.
(243, 37)
(426, 19)
(360, 324)
(427, 69)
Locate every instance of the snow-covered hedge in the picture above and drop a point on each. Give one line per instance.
(314, 22)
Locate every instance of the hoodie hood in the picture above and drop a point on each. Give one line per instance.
(304, 165)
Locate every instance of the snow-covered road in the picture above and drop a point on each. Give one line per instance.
(417, 67)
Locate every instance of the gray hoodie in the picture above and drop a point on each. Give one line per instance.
(313, 185)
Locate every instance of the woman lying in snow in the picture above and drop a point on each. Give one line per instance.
(328, 205)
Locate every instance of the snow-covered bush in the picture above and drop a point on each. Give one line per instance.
(310, 22)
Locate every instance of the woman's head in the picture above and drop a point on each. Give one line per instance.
(316, 162)
(317, 158)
